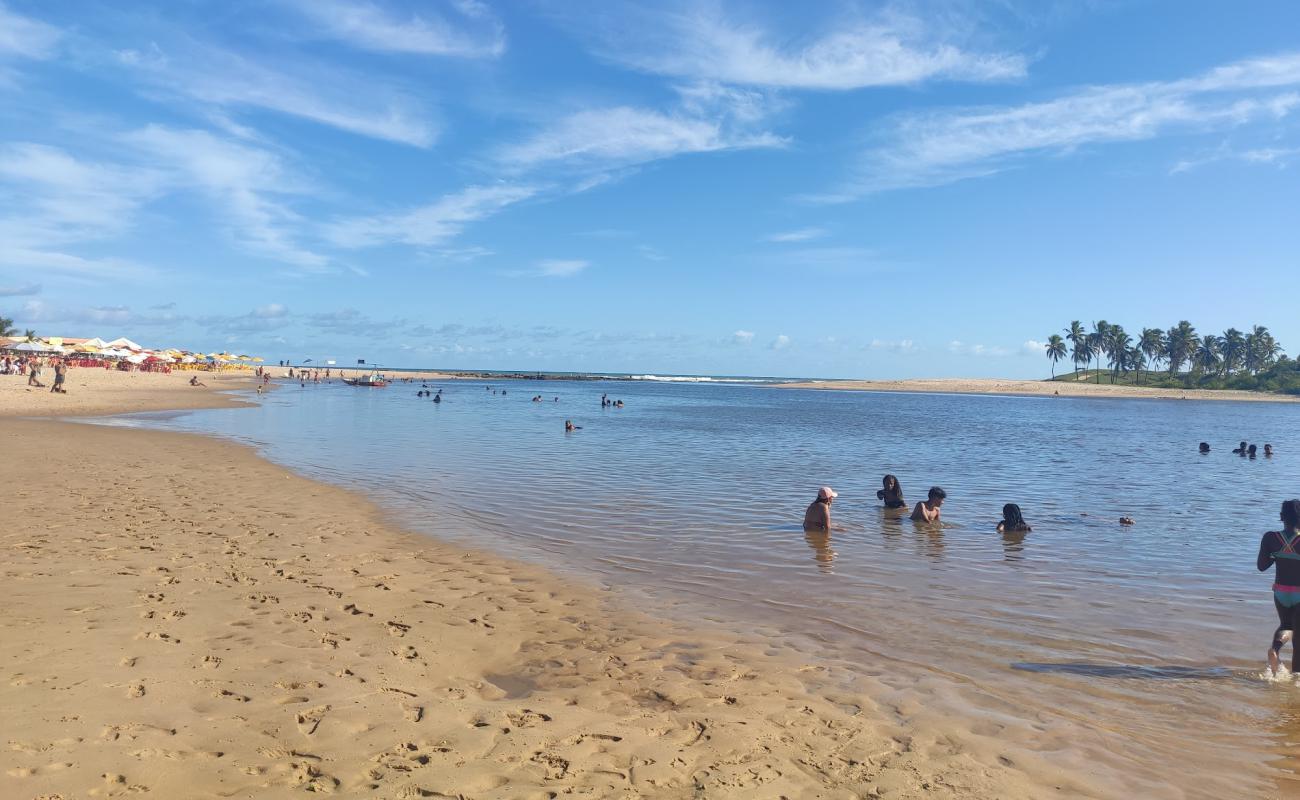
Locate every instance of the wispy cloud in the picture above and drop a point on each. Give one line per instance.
(800, 235)
(221, 80)
(474, 31)
(743, 337)
(25, 290)
(244, 182)
(1280, 157)
(936, 148)
(553, 268)
(624, 135)
(432, 224)
(888, 50)
(25, 37)
(781, 342)
(897, 346)
(963, 349)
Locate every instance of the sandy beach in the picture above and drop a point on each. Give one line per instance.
(185, 619)
(101, 391)
(1038, 388)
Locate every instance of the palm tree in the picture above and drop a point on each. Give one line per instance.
(1120, 343)
(1261, 349)
(1152, 343)
(1075, 335)
(7, 327)
(1180, 344)
(1232, 350)
(1134, 359)
(1055, 351)
(30, 335)
(1208, 355)
(1100, 340)
(1083, 351)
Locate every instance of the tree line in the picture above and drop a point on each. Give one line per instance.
(1208, 355)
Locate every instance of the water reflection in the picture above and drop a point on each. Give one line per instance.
(820, 542)
(1013, 545)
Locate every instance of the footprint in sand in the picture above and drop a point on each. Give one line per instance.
(135, 690)
(397, 628)
(309, 720)
(527, 718)
(242, 698)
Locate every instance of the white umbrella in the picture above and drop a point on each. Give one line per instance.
(96, 343)
(188, 359)
(34, 347)
(124, 344)
(136, 358)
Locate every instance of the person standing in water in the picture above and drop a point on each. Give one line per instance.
(892, 494)
(928, 509)
(818, 515)
(1012, 520)
(1283, 549)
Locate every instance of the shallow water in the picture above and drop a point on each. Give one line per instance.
(1134, 653)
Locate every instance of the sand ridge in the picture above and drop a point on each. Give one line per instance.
(213, 626)
(1039, 389)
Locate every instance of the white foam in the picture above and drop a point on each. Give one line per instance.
(1283, 675)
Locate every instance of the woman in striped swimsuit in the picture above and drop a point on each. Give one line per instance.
(1283, 548)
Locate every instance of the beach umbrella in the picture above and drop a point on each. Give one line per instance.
(137, 358)
(124, 343)
(33, 347)
(188, 359)
(97, 343)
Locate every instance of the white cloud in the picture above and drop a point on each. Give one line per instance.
(1033, 347)
(24, 290)
(979, 350)
(223, 79)
(432, 224)
(743, 337)
(935, 148)
(553, 268)
(699, 44)
(626, 135)
(476, 34)
(243, 180)
(800, 235)
(26, 37)
(1279, 157)
(270, 311)
(781, 342)
(899, 346)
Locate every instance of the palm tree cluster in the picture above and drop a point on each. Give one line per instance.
(1233, 353)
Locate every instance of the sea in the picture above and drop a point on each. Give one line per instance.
(1135, 653)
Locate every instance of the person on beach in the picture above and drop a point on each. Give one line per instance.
(892, 493)
(818, 515)
(34, 375)
(194, 381)
(1012, 520)
(1205, 447)
(928, 509)
(1283, 549)
(60, 373)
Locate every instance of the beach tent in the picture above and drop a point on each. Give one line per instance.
(137, 358)
(34, 347)
(124, 344)
(97, 343)
(188, 359)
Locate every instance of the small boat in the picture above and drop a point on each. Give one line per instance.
(374, 380)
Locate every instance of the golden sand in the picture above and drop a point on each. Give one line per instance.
(1039, 388)
(187, 620)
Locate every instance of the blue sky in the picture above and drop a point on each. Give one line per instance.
(871, 190)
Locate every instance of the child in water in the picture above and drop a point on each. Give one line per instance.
(928, 509)
(1012, 520)
(1283, 549)
(892, 494)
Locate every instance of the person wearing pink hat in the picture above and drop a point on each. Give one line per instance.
(818, 515)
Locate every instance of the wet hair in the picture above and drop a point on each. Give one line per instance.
(1251, 450)
(1291, 513)
(937, 492)
(1012, 517)
(898, 487)
(1205, 447)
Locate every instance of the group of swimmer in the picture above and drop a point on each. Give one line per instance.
(605, 402)
(818, 515)
(1243, 450)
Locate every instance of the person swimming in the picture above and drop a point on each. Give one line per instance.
(1012, 520)
(892, 493)
(1240, 451)
(1268, 451)
(818, 515)
(1282, 548)
(1250, 451)
(1205, 447)
(928, 509)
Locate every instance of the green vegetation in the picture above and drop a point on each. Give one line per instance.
(7, 327)
(1177, 358)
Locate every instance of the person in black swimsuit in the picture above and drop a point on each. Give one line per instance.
(1283, 549)
(892, 494)
(1012, 520)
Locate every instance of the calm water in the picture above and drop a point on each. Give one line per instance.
(1133, 653)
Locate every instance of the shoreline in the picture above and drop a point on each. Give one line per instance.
(99, 392)
(219, 624)
(1042, 388)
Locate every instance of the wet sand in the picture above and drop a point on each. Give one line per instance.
(187, 619)
(1039, 388)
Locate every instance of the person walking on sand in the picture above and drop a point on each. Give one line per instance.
(818, 515)
(60, 373)
(928, 509)
(34, 374)
(1283, 549)
(892, 493)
